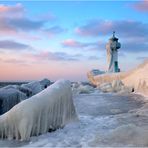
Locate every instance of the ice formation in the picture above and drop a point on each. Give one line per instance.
(115, 86)
(13, 94)
(45, 83)
(136, 78)
(50, 109)
(9, 97)
(26, 91)
(35, 86)
(79, 88)
(85, 89)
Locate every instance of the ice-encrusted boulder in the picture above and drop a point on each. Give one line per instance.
(13, 94)
(114, 86)
(11, 86)
(35, 87)
(85, 89)
(9, 97)
(106, 87)
(80, 88)
(45, 83)
(26, 91)
(50, 109)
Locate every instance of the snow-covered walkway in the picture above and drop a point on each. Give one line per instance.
(104, 120)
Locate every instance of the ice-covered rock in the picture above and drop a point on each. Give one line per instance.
(80, 88)
(115, 86)
(85, 89)
(76, 84)
(11, 86)
(45, 83)
(13, 94)
(50, 109)
(136, 79)
(25, 90)
(9, 97)
(106, 87)
(35, 87)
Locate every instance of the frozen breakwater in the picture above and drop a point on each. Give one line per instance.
(105, 119)
(137, 79)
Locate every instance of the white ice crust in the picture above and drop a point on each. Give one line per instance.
(50, 109)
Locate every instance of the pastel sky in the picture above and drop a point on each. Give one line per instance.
(66, 39)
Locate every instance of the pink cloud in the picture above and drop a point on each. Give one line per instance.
(15, 11)
(52, 56)
(95, 28)
(141, 6)
(15, 22)
(72, 43)
(125, 28)
(4, 8)
(88, 46)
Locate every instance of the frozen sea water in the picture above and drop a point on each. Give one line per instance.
(104, 120)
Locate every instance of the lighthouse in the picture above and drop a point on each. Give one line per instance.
(112, 54)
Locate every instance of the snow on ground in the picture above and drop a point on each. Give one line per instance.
(104, 120)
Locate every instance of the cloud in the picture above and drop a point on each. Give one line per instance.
(125, 28)
(13, 20)
(71, 43)
(12, 11)
(126, 46)
(12, 45)
(134, 47)
(25, 24)
(53, 56)
(141, 6)
(133, 35)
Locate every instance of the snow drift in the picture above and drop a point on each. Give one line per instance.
(136, 78)
(48, 110)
